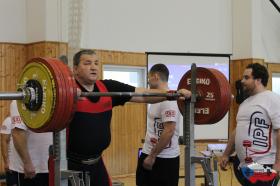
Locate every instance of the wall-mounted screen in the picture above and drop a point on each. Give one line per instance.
(178, 65)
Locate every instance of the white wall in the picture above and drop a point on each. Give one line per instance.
(242, 29)
(245, 28)
(56, 20)
(26, 21)
(13, 21)
(267, 43)
(256, 30)
(158, 25)
(47, 20)
(35, 15)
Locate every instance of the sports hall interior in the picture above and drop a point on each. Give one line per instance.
(123, 33)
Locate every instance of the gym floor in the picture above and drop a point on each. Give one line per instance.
(226, 178)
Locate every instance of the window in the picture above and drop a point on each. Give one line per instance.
(135, 76)
(276, 82)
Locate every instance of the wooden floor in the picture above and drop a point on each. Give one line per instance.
(225, 178)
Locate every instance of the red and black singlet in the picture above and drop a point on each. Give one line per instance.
(89, 131)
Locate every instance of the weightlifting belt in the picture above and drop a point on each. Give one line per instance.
(91, 161)
(85, 161)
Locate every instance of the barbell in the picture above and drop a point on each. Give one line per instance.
(47, 95)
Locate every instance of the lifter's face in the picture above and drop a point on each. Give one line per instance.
(248, 82)
(87, 71)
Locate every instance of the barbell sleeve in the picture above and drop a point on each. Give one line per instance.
(11, 95)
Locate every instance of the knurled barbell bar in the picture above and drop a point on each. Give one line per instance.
(47, 95)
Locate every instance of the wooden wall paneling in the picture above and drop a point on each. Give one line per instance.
(2, 76)
(46, 49)
(10, 67)
(122, 58)
(128, 124)
(272, 68)
(6, 77)
(35, 50)
(8, 59)
(23, 58)
(128, 128)
(2, 106)
(55, 49)
(12, 59)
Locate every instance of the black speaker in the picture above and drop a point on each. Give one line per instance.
(240, 95)
(64, 59)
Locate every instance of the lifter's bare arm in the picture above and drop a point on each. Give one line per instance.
(5, 140)
(165, 138)
(184, 92)
(229, 150)
(20, 143)
(276, 165)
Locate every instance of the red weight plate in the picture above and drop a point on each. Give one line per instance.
(59, 93)
(206, 107)
(69, 97)
(71, 90)
(67, 91)
(214, 101)
(219, 109)
(225, 94)
(58, 114)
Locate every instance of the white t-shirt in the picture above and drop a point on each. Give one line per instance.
(38, 145)
(159, 113)
(6, 128)
(257, 118)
